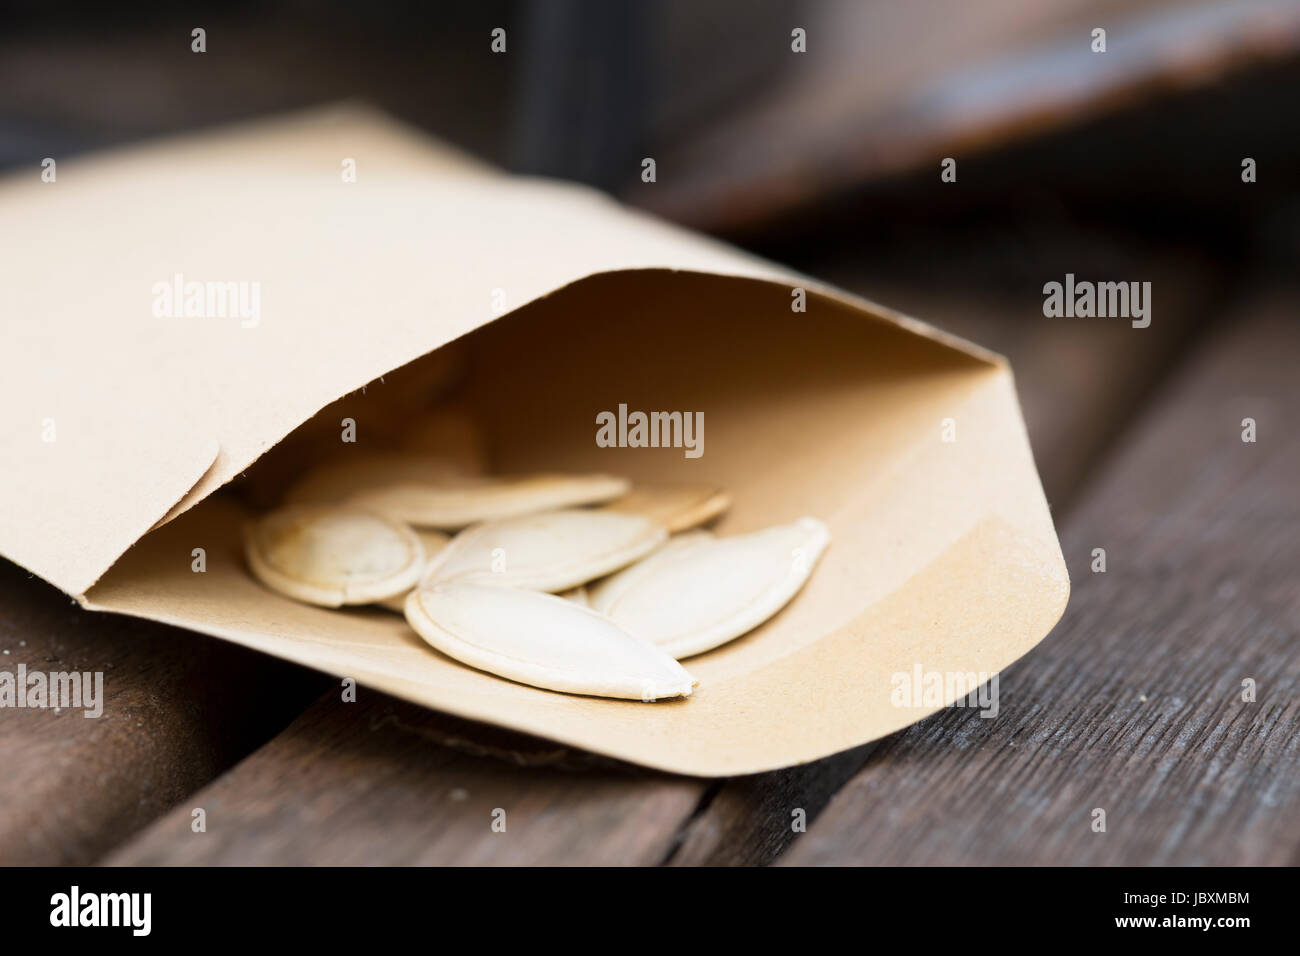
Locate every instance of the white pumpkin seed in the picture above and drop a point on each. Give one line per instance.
(543, 640)
(699, 591)
(331, 556)
(611, 588)
(422, 496)
(551, 551)
(676, 507)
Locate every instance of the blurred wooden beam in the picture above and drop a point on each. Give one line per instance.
(887, 88)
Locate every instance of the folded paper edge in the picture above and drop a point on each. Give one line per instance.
(79, 592)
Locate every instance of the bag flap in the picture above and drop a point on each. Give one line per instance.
(174, 310)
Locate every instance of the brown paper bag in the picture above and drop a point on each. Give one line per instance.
(122, 418)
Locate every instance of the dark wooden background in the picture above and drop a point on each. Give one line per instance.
(1133, 704)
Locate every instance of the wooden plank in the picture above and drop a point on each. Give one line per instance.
(177, 709)
(1134, 704)
(382, 781)
(886, 89)
(611, 817)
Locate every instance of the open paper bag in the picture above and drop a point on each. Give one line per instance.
(121, 425)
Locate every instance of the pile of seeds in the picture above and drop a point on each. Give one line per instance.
(574, 583)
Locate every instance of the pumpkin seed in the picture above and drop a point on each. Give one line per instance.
(610, 589)
(543, 640)
(676, 507)
(551, 551)
(332, 556)
(700, 591)
(428, 491)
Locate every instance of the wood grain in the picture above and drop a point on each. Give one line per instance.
(1134, 703)
(178, 709)
(384, 782)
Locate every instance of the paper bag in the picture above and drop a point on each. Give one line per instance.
(371, 248)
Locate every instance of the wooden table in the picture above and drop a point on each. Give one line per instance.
(1133, 704)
